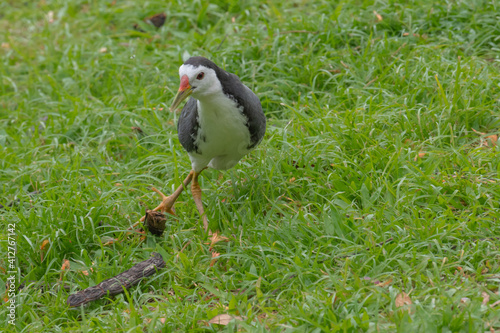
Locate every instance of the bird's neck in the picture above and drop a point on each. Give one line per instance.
(215, 103)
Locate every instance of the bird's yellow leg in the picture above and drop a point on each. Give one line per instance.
(168, 201)
(196, 192)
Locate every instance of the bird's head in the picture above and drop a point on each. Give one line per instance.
(198, 78)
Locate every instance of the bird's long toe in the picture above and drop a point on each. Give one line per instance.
(167, 204)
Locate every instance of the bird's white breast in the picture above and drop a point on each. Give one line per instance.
(223, 137)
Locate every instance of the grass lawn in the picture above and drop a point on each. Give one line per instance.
(372, 204)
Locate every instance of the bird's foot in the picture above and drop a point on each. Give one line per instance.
(167, 204)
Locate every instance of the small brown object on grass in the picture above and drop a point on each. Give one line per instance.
(158, 20)
(155, 222)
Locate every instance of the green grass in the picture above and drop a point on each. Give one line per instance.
(330, 219)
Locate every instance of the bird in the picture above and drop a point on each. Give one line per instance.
(221, 122)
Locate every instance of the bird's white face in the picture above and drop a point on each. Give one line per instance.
(203, 80)
(199, 81)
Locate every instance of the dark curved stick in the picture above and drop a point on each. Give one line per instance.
(116, 284)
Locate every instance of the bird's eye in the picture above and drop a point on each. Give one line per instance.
(200, 76)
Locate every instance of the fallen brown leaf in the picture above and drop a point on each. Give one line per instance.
(383, 284)
(215, 239)
(111, 241)
(224, 319)
(65, 266)
(43, 248)
(419, 155)
(486, 297)
(44, 244)
(406, 34)
(6, 296)
(214, 258)
(403, 299)
(379, 17)
(137, 129)
(495, 304)
(493, 139)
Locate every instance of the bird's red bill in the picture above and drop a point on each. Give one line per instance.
(184, 83)
(183, 93)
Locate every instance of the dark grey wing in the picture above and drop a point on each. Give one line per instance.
(252, 109)
(245, 98)
(187, 126)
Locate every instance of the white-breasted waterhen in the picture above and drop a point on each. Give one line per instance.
(221, 122)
